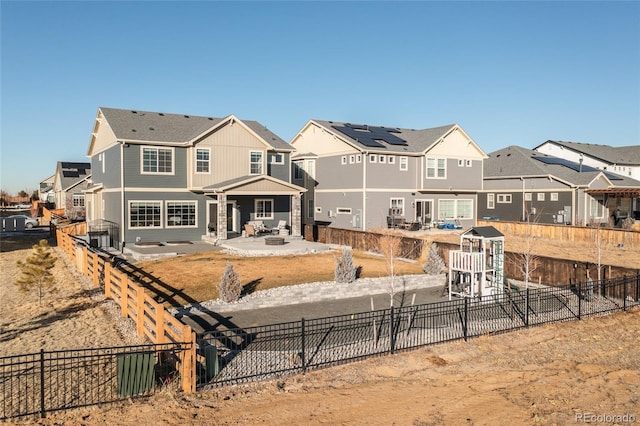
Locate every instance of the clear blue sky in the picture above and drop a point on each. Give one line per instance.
(510, 73)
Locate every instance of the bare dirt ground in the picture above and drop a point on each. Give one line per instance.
(545, 375)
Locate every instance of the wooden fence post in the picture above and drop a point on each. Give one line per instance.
(159, 323)
(140, 311)
(124, 296)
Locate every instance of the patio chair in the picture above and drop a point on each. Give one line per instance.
(250, 231)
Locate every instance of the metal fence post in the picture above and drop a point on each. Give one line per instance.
(391, 332)
(526, 315)
(43, 411)
(624, 293)
(579, 300)
(302, 352)
(466, 316)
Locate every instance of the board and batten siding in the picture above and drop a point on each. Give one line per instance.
(105, 167)
(230, 149)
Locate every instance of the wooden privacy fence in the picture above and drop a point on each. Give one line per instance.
(151, 318)
(565, 232)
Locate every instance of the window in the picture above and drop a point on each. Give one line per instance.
(460, 163)
(527, 196)
(297, 170)
(181, 214)
(397, 204)
(343, 160)
(491, 201)
(264, 208)
(596, 208)
(277, 158)
(358, 158)
(455, 209)
(145, 214)
(382, 159)
(256, 162)
(373, 158)
(468, 163)
(157, 160)
(553, 196)
(202, 160)
(404, 163)
(436, 168)
(352, 159)
(392, 159)
(343, 210)
(311, 168)
(504, 198)
(540, 196)
(78, 200)
(310, 209)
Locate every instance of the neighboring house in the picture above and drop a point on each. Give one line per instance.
(171, 177)
(623, 160)
(523, 184)
(69, 182)
(45, 190)
(358, 176)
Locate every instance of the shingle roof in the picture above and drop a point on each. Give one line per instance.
(146, 126)
(622, 155)
(417, 140)
(70, 173)
(517, 161)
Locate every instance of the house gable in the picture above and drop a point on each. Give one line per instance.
(323, 142)
(456, 144)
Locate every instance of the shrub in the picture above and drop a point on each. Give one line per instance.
(345, 271)
(434, 264)
(230, 287)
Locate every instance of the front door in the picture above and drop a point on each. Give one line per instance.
(232, 216)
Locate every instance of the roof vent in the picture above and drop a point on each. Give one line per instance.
(161, 114)
(186, 116)
(151, 128)
(134, 112)
(133, 130)
(210, 118)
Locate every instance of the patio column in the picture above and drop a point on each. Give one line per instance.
(222, 217)
(296, 213)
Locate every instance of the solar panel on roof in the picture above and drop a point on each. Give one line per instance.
(580, 168)
(371, 136)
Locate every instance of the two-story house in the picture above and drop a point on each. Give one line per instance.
(522, 184)
(70, 181)
(357, 176)
(171, 177)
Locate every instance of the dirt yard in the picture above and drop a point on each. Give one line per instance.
(549, 375)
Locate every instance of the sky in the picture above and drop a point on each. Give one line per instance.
(508, 72)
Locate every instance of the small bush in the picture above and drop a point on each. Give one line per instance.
(230, 287)
(345, 271)
(434, 264)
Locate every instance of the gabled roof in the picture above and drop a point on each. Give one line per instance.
(515, 161)
(255, 184)
(416, 141)
(484, 231)
(69, 174)
(627, 155)
(157, 127)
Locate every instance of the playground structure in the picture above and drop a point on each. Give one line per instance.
(477, 269)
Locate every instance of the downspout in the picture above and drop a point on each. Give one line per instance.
(122, 204)
(365, 160)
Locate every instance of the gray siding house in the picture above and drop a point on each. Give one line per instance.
(170, 177)
(358, 176)
(70, 181)
(522, 184)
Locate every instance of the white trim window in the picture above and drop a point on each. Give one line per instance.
(436, 168)
(382, 159)
(455, 209)
(264, 208)
(255, 160)
(298, 170)
(460, 162)
(504, 198)
(596, 208)
(145, 214)
(404, 163)
(373, 158)
(343, 210)
(491, 201)
(78, 200)
(352, 159)
(553, 196)
(181, 214)
(358, 158)
(343, 160)
(392, 159)
(276, 158)
(156, 161)
(203, 159)
(528, 196)
(540, 196)
(311, 168)
(397, 204)
(468, 163)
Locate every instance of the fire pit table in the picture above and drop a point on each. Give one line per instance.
(274, 241)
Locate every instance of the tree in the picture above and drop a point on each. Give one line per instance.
(230, 286)
(389, 245)
(434, 264)
(36, 270)
(23, 194)
(345, 271)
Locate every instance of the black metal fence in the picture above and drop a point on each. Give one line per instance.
(258, 353)
(38, 383)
